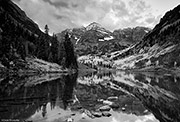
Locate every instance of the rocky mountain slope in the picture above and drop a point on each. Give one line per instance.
(158, 49)
(131, 35)
(18, 16)
(94, 39)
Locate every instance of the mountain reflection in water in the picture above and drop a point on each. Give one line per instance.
(60, 97)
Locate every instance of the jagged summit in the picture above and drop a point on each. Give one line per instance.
(93, 26)
(97, 27)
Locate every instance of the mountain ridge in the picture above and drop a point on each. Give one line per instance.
(95, 39)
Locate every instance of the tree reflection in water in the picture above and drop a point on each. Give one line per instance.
(70, 82)
(25, 97)
(20, 101)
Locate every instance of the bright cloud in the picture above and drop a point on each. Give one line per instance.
(111, 14)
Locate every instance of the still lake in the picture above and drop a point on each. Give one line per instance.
(94, 97)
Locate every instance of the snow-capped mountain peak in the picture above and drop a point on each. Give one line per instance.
(93, 26)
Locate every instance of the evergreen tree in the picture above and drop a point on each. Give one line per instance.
(54, 48)
(46, 29)
(71, 61)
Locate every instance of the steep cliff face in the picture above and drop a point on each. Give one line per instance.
(159, 48)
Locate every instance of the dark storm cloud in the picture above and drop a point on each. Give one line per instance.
(112, 14)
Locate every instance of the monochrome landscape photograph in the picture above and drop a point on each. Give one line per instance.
(89, 61)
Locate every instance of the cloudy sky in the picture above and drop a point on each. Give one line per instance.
(111, 14)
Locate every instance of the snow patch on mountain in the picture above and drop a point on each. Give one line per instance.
(77, 40)
(146, 31)
(101, 40)
(106, 38)
(109, 38)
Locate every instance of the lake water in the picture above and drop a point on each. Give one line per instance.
(94, 97)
